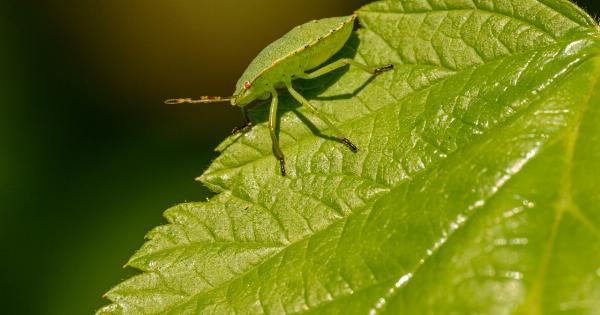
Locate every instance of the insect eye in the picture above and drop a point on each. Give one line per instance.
(247, 85)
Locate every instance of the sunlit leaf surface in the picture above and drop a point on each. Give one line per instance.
(476, 189)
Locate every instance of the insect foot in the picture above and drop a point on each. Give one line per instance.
(282, 166)
(383, 69)
(350, 145)
(245, 128)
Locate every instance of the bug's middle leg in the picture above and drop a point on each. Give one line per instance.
(342, 62)
(321, 116)
(272, 126)
(247, 123)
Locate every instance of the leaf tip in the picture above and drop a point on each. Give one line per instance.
(109, 309)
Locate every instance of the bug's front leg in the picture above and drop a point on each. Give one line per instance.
(343, 139)
(247, 123)
(272, 127)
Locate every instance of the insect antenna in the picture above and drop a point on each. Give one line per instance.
(202, 99)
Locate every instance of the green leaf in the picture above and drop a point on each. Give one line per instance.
(476, 189)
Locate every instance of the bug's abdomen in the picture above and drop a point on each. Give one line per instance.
(325, 48)
(309, 57)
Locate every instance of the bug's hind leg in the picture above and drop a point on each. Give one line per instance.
(247, 123)
(272, 126)
(342, 62)
(321, 116)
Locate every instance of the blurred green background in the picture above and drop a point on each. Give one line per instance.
(90, 155)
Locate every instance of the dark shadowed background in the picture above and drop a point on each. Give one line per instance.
(90, 156)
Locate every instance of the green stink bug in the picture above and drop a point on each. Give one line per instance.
(302, 49)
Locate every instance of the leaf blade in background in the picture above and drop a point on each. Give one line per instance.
(473, 190)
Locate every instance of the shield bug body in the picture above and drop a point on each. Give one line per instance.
(296, 55)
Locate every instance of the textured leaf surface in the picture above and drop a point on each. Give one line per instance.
(475, 190)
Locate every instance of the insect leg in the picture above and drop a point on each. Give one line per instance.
(321, 116)
(342, 62)
(247, 123)
(272, 126)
